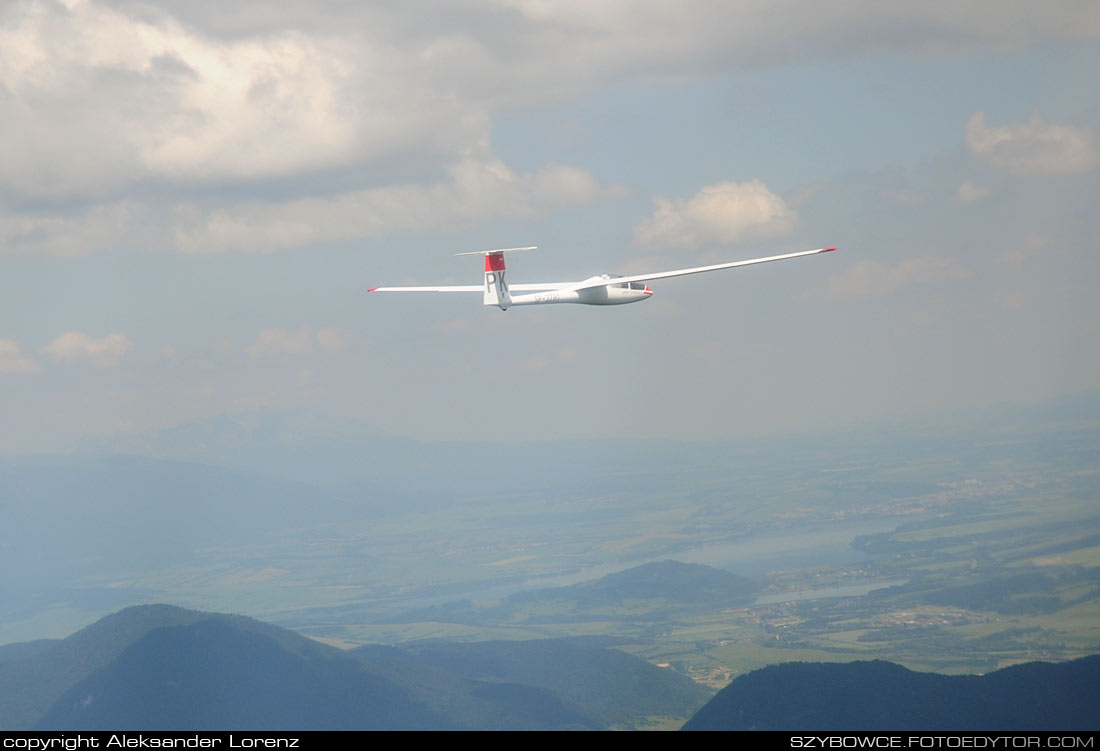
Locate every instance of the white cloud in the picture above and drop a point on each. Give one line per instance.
(76, 346)
(12, 359)
(303, 341)
(116, 105)
(867, 278)
(330, 339)
(99, 228)
(282, 342)
(968, 192)
(719, 214)
(904, 196)
(101, 96)
(99, 99)
(535, 363)
(1031, 245)
(476, 191)
(1035, 147)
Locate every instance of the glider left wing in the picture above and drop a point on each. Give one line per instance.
(475, 287)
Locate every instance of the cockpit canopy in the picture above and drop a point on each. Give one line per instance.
(640, 286)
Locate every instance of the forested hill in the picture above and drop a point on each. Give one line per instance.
(883, 696)
(161, 667)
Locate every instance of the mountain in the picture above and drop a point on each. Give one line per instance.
(221, 674)
(608, 687)
(684, 583)
(32, 679)
(650, 592)
(883, 696)
(162, 667)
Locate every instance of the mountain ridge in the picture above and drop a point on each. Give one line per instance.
(880, 695)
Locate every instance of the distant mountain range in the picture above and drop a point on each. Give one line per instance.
(883, 696)
(663, 580)
(654, 589)
(162, 667)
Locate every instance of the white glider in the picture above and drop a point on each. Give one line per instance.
(606, 289)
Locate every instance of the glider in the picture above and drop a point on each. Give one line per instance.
(606, 289)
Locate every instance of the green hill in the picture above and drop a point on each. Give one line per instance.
(31, 680)
(217, 674)
(684, 583)
(608, 687)
(652, 591)
(883, 696)
(162, 667)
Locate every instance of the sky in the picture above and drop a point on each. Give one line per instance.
(195, 197)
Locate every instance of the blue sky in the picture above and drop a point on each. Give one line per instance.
(194, 199)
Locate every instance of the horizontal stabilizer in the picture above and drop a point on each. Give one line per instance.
(460, 288)
(498, 250)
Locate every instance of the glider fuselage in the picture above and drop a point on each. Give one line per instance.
(611, 293)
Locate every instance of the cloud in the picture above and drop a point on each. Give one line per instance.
(76, 346)
(904, 196)
(867, 278)
(1035, 147)
(12, 359)
(535, 48)
(129, 115)
(330, 339)
(99, 228)
(1031, 245)
(968, 192)
(720, 214)
(100, 98)
(303, 341)
(539, 362)
(475, 191)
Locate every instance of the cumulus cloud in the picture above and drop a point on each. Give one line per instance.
(99, 98)
(1035, 147)
(76, 347)
(116, 105)
(69, 232)
(903, 196)
(1032, 245)
(719, 214)
(302, 341)
(104, 95)
(475, 191)
(562, 356)
(867, 278)
(535, 48)
(968, 192)
(12, 359)
(330, 339)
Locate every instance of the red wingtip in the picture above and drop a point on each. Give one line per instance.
(372, 289)
(826, 250)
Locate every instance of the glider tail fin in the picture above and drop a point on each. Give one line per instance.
(496, 289)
